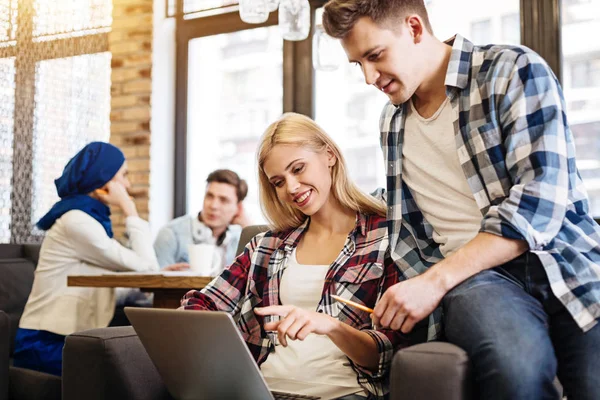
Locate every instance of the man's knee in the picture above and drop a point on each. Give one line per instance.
(507, 373)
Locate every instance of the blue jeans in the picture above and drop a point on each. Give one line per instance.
(519, 336)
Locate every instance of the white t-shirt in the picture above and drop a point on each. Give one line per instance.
(316, 359)
(431, 169)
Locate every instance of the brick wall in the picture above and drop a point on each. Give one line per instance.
(130, 42)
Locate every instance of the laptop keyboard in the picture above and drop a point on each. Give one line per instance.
(292, 396)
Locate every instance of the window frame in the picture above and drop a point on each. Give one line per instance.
(24, 108)
(298, 78)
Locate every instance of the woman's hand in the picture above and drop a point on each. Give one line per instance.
(115, 194)
(297, 323)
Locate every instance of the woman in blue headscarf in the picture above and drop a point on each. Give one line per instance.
(79, 241)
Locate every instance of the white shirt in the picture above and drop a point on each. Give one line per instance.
(316, 359)
(77, 244)
(431, 169)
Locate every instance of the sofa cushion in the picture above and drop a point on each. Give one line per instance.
(11, 251)
(15, 286)
(26, 384)
(32, 252)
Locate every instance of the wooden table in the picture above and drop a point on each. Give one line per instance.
(168, 289)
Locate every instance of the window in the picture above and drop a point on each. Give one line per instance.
(581, 84)
(585, 73)
(7, 105)
(511, 28)
(576, 11)
(348, 110)
(485, 22)
(234, 93)
(81, 86)
(481, 32)
(54, 96)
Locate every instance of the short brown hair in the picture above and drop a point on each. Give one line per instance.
(231, 178)
(339, 16)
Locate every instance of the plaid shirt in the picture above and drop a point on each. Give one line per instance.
(361, 273)
(518, 156)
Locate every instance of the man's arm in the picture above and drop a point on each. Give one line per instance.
(406, 303)
(165, 247)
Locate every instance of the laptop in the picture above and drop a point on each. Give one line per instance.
(202, 355)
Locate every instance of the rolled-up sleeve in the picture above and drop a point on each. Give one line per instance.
(535, 135)
(224, 293)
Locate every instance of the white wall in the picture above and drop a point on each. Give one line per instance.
(163, 119)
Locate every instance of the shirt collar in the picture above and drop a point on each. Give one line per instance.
(457, 74)
(459, 66)
(203, 234)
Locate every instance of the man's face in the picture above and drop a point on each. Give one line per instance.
(388, 58)
(220, 205)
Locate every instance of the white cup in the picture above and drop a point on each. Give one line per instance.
(202, 258)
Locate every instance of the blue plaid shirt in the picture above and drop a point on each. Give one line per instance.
(518, 156)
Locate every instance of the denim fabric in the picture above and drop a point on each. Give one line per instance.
(519, 336)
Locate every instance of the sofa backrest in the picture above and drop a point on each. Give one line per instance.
(17, 265)
(247, 234)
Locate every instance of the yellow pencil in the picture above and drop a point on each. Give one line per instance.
(352, 303)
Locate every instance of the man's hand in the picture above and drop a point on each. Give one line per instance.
(406, 303)
(177, 267)
(241, 218)
(297, 323)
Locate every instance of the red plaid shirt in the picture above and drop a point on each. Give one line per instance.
(362, 272)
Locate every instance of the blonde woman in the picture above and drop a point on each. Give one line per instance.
(327, 238)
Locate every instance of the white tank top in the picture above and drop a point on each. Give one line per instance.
(316, 359)
(431, 169)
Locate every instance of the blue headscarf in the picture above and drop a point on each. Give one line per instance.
(94, 166)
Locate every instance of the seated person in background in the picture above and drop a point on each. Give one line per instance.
(79, 241)
(327, 238)
(219, 223)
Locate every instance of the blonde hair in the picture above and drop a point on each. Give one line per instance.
(299, 130)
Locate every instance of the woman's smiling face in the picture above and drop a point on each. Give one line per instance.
(301, 177)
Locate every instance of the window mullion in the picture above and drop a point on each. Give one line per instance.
(22, 177)
(540, 30)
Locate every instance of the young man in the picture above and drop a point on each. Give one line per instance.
(488, 215)
(219, 222)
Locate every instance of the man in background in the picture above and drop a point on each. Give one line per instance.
(219, 223)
